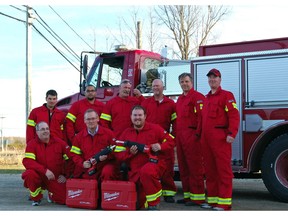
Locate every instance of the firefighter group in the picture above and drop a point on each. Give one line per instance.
(132, 138)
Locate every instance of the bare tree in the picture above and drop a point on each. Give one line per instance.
(190, 25)
(152, 31)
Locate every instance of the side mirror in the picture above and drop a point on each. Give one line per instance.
(85, 66)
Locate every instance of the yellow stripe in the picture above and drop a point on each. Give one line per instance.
(31, 122)
(173, 116)
(65, 157)
(168, 193)
(224, 201)
(197, 196)
(153, 197)
(119, 149)
(212, 200)
(76, 150)
(106, 117)
(235, 106)
(36, 192)
(186, 195)
(30, 155)
(71, 117)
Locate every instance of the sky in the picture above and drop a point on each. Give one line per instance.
(49, 70)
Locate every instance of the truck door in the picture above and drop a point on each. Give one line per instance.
(231, 81)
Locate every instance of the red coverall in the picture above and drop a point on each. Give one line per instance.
(116, 113)
(220, 118)
(38, 158)
(189, 153)
(164, 114)
(75, 117)
(86, 146)
(54, 119)
(145, 174)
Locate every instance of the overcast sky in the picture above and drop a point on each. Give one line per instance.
(51, 71)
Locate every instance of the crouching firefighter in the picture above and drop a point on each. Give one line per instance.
(144, 151)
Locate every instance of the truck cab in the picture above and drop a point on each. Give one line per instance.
(107, 71)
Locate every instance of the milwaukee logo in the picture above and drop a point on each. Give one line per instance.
(72, 194)
(111, 196)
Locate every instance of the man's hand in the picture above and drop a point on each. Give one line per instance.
(156, 147)
(86, 164)
(137, 93)
(61, 179)
(50, 175)
(229, 139)
(133, 149)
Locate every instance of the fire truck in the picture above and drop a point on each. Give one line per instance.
(256, 76)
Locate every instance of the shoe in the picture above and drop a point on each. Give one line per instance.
(181, 201)
(218, 209)
(153, 208)
(169, 199)
(49, 200)
(190, 203)
(206, 206)
(36, 203)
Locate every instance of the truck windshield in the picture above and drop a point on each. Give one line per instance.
(110, 70)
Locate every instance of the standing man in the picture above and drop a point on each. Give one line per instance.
(161, 110)
(45, 158)
(189, 154)
(90, 141)
(146, 167)
(75, 117)
(54, 117)
(220, 125)
(116, 113)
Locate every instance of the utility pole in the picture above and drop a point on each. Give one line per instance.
(29, 19)
(139, 35)
(2, 143)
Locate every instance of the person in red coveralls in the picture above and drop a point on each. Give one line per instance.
(220, 125)
(75, 117)
(47, 113)
(48, 163)
(148, 165)
(116, 113)
(90, 141)
(161, 110)
(189, 154)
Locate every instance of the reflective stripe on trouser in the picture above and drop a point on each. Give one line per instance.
(217, 161)
(190, 162)
(167, 180)
(36, 183)
(150, 175)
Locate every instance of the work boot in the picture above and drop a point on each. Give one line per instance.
(153, 208)
(36, 203)
(169, 199)
(181, 201)
(206, 206)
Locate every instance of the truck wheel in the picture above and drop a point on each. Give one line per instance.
(274, 168)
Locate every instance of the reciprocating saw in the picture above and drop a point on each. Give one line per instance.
(142, 148)
(96, 158)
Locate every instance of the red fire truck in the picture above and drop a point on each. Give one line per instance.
(256, 77)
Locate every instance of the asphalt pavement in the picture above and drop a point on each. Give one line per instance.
(248, 195)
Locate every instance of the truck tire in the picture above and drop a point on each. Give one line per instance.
(274, 168)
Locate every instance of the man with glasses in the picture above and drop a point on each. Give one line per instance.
(54, 117)
(90, 141)
(75, 117)
(44, 160)
(116, 113)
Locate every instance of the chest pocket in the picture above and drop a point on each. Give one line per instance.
(213, 110)
(187, 109)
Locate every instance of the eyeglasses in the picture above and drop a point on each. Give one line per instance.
(90, 119)
(88, 91)
(43, 129)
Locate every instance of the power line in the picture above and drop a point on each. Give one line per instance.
(71, 28)
(12, 17)
(55, 48)
(66, 46)
(17, 8)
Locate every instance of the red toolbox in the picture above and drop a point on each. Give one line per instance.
(82, 193)
(118, 195)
